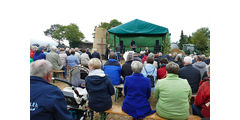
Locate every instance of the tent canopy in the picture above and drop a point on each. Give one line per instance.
(139, 27)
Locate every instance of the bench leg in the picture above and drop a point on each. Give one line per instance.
(103, 116)
(116, 95)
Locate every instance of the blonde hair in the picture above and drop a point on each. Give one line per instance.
(95, 63)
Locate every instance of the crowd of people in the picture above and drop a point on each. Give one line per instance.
(172, 79)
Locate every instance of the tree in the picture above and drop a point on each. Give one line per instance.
(201, 38)
(50, 32)
(70, 32)
(111, 24)
(183, 40)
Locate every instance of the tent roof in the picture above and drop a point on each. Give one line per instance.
(138, 27)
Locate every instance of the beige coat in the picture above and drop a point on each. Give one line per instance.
(54, 58)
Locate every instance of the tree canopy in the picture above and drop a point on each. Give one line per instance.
(70, 32)
(111, 24)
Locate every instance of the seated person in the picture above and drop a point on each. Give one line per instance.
(201, 104)
(46, 100)
(99, 87)
(72, 60)
(126, 68)
(161, 72)
(137, 90)
(173, 95)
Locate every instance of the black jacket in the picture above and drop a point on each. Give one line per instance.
(192, 75)
(89, 54)
(100, 90)
(96, 55)
(126, 69)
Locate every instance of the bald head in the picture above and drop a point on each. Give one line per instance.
(40, 68)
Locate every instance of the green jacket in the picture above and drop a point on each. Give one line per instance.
(173, 94)
(54, 58)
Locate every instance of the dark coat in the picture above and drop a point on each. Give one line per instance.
(47, 102)
(96, 55)
(89, 54)
(100, 90)
(38, 56)
(126, 69)
(192, 75)
(180, 63)
(137, 90)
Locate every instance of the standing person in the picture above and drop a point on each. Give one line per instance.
(190, 73)
(107, 52)
(54, 58)
(39, 54)
(84, 58)
(126, 68)
(201, 104)
(118, 48)
(77, 54)
(47, 102)
(113, 69)
(137, 90)
(147, 50)
(162, 73)
(173, 95)
(99, 87)
(72, 60)
(95, 54)
(63, 58)
(200, 65)
(150, 71)
(89, 54)
(133, 46)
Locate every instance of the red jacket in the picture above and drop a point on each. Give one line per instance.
(31, 53)
(161, 73)
(202, 98)
(144, 59)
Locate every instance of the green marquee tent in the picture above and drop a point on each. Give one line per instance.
(144, 34)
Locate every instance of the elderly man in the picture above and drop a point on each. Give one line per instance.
(95, 54)
(200, 65)
(190, 73)
(54, 58)
(84, 58)
(46, 100)
(77, 53)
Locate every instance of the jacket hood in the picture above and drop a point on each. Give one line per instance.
(97, 77)
(200, 64)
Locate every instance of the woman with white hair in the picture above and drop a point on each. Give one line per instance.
(136, 95)
(99, 87)
(173, 95)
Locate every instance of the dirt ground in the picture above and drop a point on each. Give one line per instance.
(152, 101)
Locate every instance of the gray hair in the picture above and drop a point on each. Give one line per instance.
(40, 68)
(151, 55)
(53, 48)
(136, 66)
(130, 56)
(188, 60)
(95, 63)
(172, 68)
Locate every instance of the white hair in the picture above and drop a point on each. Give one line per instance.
(40, 68)
(188, 60)
(151, 55)
(53, 48)
(136, 66)
(160, 54)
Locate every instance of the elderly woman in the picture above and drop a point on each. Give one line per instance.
(136, 95)
(99, 87)
(155, 64)
(173, 95)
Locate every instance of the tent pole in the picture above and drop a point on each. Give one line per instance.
(114, 42)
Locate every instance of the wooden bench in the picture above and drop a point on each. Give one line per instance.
(58, 73)
(116, 109)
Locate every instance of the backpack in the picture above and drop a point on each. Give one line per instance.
(151, 78)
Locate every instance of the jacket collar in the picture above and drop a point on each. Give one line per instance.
(112, 60)
(36, 78)
(137, 74)
(96, 72)
(170, 75)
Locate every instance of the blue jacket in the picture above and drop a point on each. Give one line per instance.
(72, 61)
(47, 101)
(96, 55)
(100, 90)
(137, 90)
(192, 75)
(38, 56)
(113, 69)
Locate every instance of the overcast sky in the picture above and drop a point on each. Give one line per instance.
(176, 15)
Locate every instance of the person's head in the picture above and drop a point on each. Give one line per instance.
(83, 50)
(146, 53)
(178, 58)
(112, 55)
(151, 55)
(130, 56)
(199, 58)
(172, 68)
(67, 49)
(41, 68)
(164, 61)
(159, 54)
(187, 60)
(88, 49)
(94, 63)
(136, 66)
(62, 49)
(146, 48)
(150, 60)
(54, 48)
(94, 49)
(73, 52)
(132, 40)
(40, 49)
(76, 49)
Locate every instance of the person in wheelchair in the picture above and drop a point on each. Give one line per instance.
(99, 87)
